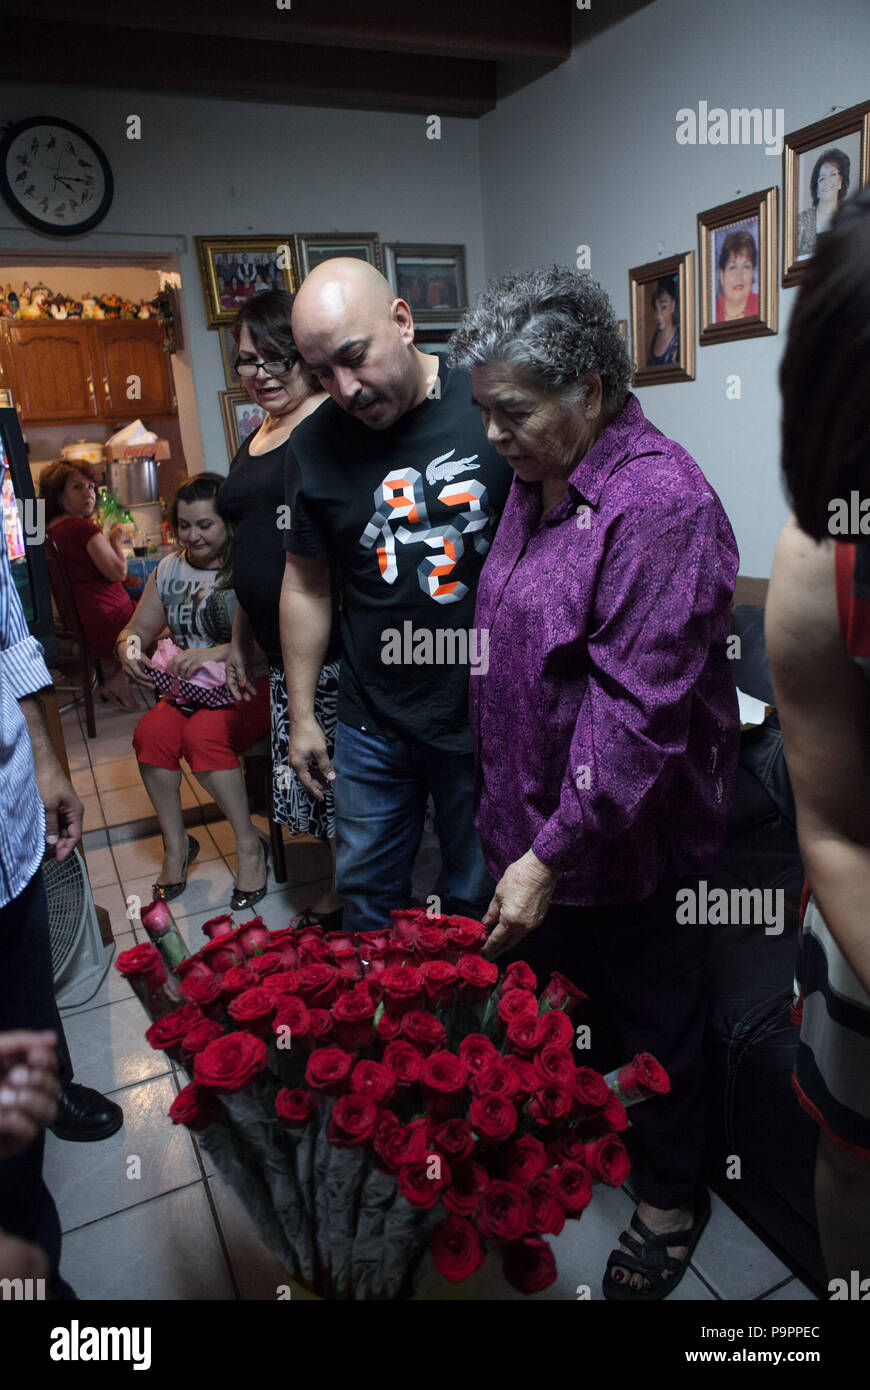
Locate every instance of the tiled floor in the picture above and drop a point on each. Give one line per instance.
(123, 1202)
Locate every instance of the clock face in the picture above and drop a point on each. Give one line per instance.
(54, 176)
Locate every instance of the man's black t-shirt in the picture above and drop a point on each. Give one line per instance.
(409, 514)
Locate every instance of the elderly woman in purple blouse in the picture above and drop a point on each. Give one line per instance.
(606, 726)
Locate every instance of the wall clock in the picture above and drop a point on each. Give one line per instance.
(54, 176)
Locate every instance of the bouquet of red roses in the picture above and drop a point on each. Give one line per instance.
(376, 1095)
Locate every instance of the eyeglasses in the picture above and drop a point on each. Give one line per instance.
(277, 367)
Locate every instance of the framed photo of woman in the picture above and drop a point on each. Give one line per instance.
(662, 295)
(234, 269)
(822, 165)
(737, 268)
(314, 247)
(431, 279)
(241, 417)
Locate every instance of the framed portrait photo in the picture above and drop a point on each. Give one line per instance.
(241, 417)
(431, 279)
(822, 165)
(662, 298)
(234, 269)
(229, 352)
(737, 269)
(313, 247)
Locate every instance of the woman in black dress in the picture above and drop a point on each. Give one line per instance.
(277, 380)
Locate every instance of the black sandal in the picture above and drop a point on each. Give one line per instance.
(243, 898)
(330, 921)
(652, 1259)
(168, 891)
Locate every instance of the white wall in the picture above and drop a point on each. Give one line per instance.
(213, 168)
(588, 155)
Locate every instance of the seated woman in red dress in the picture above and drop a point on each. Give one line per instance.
(189, 593)
(94, 566)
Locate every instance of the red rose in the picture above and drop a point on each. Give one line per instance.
(318, 984)
(281, 983)
(147, 961)
(315, 952)
(306, 935)
(608, 1161)
(425, 1031)
(376, 1080)
(431, 941)
(453, 1138)
(374, 940)
(498, 1079)
(169, 1030)
(295, 1107)
(568, 1146)
(443, 1079)
(231, 1063)
(218, 926)
(524, 1071)
(195, 1107)
(524, 1036)
(462, 935)
(253, 1010)
(253, 936)
(156, 918)
(561, 993)
(476, 1053)
(525, 1160)
(388, 1029)
(590, 1089)
(285, 944)
(348, 964)
(200, 1035)
(548, 1213)
(237, 979)
(529, 1265)
(290, 1012)
(423, 1181)
(340, 941)
(407, 923)
(353, 1013)
(503, 1212)
(404, 1062)
(439, 979)
(322, 1024)
(574, 1187)
(328, 1070)
(556, 1027)
(352, 1121)
(456, 1249)
(207, 993)
(642, 1077)
(396, 1144)
(269, 963)
(467, 1181)
(402, 989)
(555, 1065)
(397, 955)
(515, 1004)
(222, 953)
(614, 1115)
(493, 1118)
(519, 975)
(550, 1105)
(476, 977)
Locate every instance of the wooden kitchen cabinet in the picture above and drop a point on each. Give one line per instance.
(81, 371)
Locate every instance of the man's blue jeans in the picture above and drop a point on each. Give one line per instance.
(381, 789)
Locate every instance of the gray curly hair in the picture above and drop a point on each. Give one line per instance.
(554, 325)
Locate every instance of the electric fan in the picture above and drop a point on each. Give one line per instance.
(79, 959)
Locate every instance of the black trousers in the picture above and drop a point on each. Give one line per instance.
(27, 1001)
(648, 981)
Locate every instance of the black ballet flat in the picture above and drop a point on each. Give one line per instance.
(168, 891)
(240, 900)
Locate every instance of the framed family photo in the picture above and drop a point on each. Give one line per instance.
(822, 165)
(234, 269)
(241, 417)
(314, 247)
(737, 268)
(662, 300)
(431, 279)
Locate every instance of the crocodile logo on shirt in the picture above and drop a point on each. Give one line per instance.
(445, 467)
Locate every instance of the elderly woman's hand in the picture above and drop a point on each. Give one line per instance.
(186, 664)
(519, 904)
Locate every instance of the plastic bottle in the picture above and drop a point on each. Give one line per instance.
(129, 531)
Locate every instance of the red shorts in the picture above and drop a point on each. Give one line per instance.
(209, 740)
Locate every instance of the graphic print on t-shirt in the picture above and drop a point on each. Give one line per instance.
(401, 515)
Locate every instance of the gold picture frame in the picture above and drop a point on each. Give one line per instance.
(845, 138)
(670, 279)
(744, 232)
(229, 353)
(233, 403)
(233, 268)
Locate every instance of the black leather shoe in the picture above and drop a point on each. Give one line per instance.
(84, 1115)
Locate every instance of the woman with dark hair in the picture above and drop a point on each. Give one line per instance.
(829, 184)
(189, 593)
(818, 636)
(278, 381)
(94, 566)
(606, 724)
(737, 261)
(665, 345)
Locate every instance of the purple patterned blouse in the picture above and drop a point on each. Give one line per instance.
(606, 725)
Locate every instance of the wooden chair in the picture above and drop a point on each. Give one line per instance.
(257, 764)
(72, 645)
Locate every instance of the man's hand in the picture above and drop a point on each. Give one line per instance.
(309, 757)
(519, 904)
(239, 683)
(29, 1088)
(63, 812)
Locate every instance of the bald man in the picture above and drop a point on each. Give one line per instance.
(392, 486)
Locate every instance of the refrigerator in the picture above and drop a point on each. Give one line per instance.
(24, 532)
